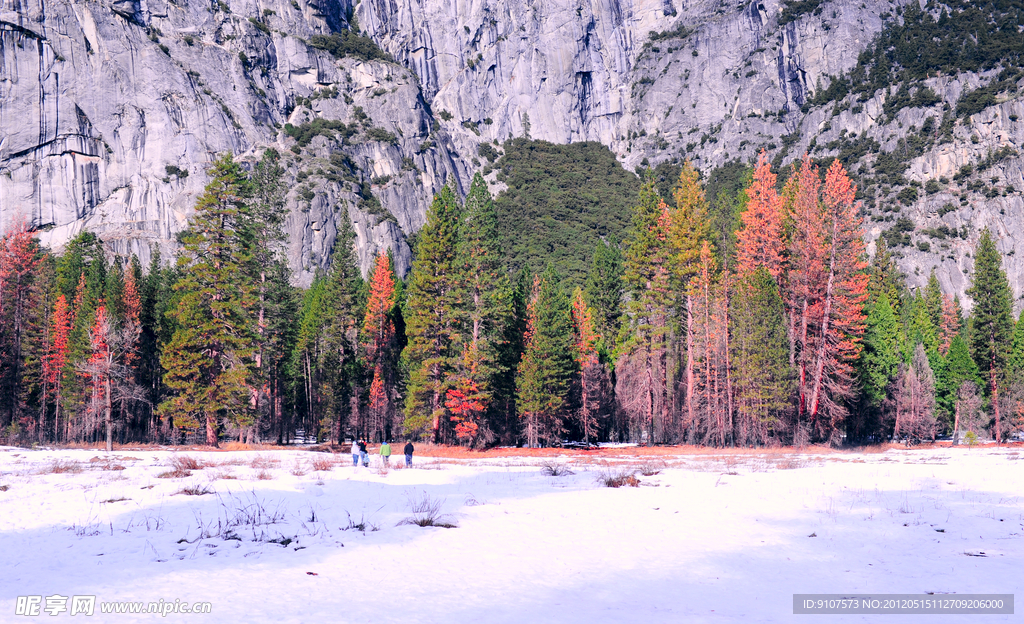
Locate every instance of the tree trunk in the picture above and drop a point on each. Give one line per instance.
(689, 361)
(956, 425)
(107, 412)
(211, 430)
(995, 401)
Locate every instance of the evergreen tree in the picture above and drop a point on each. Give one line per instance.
(325, 348)
(547, 365)
(262, 220)
(762, 377)
(603, 291)
(992, 327)
(828, 291)
(1015, 365)
(19, 257)
(209, 357)
(886, 278)
(921, 330)
(157, 327)
(431, 316)
(644, 344)
(959, 367)
(591, 374)
(511, 300)
(883, 351)
(479, 283)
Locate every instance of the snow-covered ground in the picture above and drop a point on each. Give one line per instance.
(708, 539)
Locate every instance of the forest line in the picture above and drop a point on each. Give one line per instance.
(775, 330)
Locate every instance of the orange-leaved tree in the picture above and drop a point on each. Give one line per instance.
(379, 346)
(760, 241)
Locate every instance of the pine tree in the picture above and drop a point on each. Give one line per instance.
(603, 291)
(19, 257)
(57, 357)
(688, 229)
(933, 300)
(99, 368)
(479, 284)
(830, 291)
(761, 241)
(885, 278)
(379, 343)
(209, 358)
(762, 377)
(951, 323)
(644, 345)
(261, 219)
(511, 300)
(431, 312)
(992, 327)
(959, 368)
(585, 343)
(883, 350)
(1015, 365)
(921, 330)
(547, 365)
(323, 357)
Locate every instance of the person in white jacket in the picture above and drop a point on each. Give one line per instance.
(355, 452)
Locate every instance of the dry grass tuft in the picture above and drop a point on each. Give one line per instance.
(555, 469)
(174, 474)
(115, 500)
(186, 462)
(263, 475)
(4, 488)
(261, 462)
(652, 467)
(195, 490)
(427, 513)
(621, 478)
(323, 464)
(299, 469)
(62, 466)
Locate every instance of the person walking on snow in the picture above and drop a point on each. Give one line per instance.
(385, 453)
(409, 448)
(355, 452)
(362, 454)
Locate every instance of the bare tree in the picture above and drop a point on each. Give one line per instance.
(913, 402)
(969, 415)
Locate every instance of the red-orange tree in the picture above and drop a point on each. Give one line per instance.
(827, 290)
(760, 240)
(379, 347)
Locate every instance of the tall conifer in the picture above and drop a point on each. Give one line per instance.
(992, 327)
(209, 357)
(431, 315)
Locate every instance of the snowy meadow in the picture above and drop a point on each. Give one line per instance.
(302, 536)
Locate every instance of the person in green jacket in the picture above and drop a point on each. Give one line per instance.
(385, 453)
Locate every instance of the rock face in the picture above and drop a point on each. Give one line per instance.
(99, 99)
(111, 112)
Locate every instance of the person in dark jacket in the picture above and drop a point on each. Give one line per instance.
(409, 448)
(362, 453)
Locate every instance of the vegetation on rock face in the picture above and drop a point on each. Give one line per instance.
(956, 36)
(349, 44)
